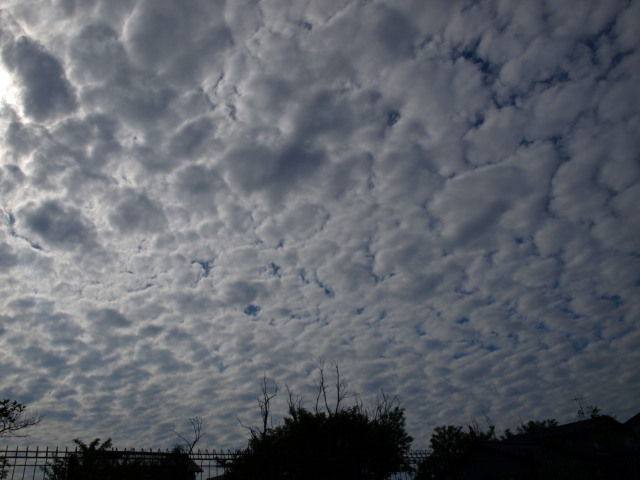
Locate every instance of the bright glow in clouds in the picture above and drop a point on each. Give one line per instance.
(9, 92)
(440, 195)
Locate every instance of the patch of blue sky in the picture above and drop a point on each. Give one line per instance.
(471, 54)
(348, 341)
(617, 301)
(393, 117)
(328, 291)
(490, 347)
(251, 310)
(597, 332)
(570, 312)
(579, 344)
(302, 273)
(462, 291)
(275, 269)
(205, 264)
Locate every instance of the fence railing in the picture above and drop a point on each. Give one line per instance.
(29, 463)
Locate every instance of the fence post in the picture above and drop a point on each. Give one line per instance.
(33, 475)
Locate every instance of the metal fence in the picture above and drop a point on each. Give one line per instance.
(29, 463)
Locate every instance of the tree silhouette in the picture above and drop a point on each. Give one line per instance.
(447, 444)
(196, 425)
(332, 440)
(98, 461)
(14, 422)
(89, 459)
(530, 427)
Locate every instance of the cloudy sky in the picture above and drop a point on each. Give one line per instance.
(440, 195)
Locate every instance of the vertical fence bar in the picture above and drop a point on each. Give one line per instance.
(24, 463)
(35, 462)
(15, 455)
(5, 455)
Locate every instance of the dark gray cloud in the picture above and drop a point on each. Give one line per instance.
(58, 226)
(199, 181)
(108, 318)
(156, 27)
(440, 195)
(276, 173)
(98, 55)
(136, 212)
(191, 139)
(8, 258)
(137, 100)
(46, 92)
(24, 138)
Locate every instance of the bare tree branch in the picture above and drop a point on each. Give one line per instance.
(321, 386)
(264, 402)
(293, 402)
(384, 405)
(340, 385)
(341, 388)
(580, 400)
(14, 421)
(252, 431)
(196, 425)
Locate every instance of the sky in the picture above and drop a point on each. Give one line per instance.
(441, 196)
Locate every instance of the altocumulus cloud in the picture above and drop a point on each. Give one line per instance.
(440, 195)
(46, 92)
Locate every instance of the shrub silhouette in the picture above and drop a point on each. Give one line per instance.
(329, 442)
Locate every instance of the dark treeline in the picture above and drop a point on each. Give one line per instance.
(337, 437)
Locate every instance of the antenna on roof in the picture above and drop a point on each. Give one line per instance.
(579, 400)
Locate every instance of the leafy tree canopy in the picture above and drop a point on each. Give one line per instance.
(531, 426)
(98, 461)
(448, 443)
(331, 440)
(86, 459)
